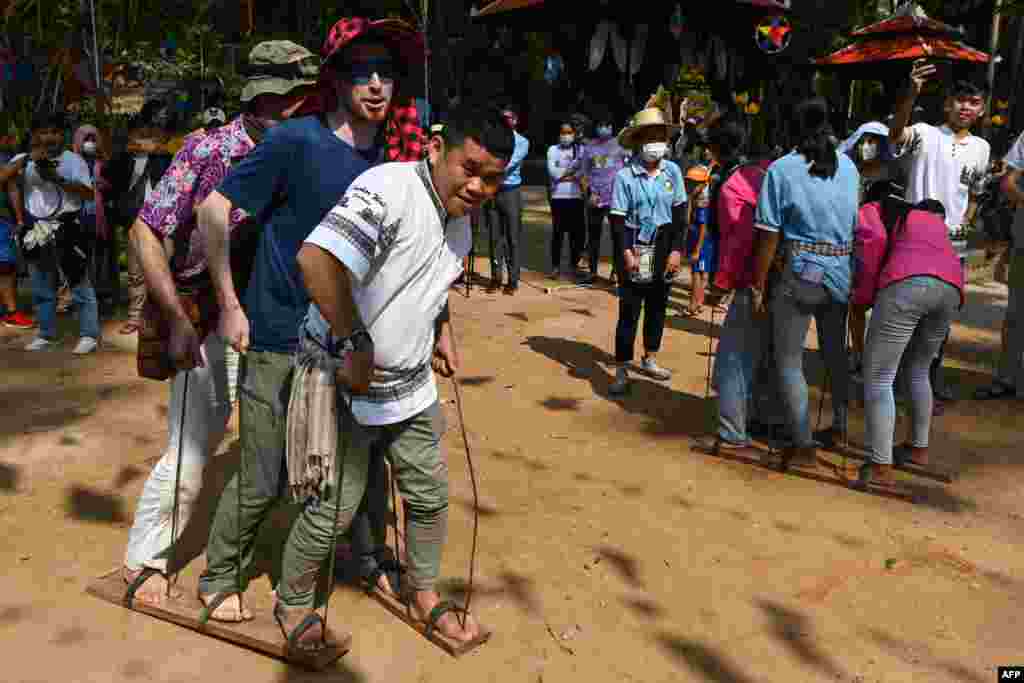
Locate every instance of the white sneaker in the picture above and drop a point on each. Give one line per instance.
(39, 344)
(85, 345)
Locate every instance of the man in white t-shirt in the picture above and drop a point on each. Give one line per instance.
(947, 163)
(378, 269)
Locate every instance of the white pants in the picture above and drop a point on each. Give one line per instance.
(207, 409)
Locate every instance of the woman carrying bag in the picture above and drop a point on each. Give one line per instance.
(806, 213)
(649, 211)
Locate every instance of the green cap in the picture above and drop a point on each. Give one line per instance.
(277, 67)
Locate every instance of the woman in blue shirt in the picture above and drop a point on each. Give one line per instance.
(648, 210)
(806, 215)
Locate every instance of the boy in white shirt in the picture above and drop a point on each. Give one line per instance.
(947, 163)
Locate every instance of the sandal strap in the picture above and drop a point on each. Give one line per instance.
(144, 575)
(442, 608)
(210, 607)
(305, 625)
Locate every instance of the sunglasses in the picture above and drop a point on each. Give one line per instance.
(362, 72)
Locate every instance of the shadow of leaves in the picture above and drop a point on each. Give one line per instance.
(476, 381)
(9, 476)
(702, 660)
(918, 654)
(93, 506)
(627, 567)
(127, 475)
(560, 404)
(795, 631)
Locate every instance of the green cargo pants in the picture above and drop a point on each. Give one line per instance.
(414, 449)
(264, 388)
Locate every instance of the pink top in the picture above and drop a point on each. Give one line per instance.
(736, 203)
(921, 247)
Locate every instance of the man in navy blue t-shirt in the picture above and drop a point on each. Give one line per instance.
(294, 176)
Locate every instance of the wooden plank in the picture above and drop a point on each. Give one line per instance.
(857, 452)
(453, 647)
(770, 461)
(261, 634)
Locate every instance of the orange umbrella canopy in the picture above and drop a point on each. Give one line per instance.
(506, 5)
(904, 47)
(918, 23)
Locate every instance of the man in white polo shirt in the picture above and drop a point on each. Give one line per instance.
(378, 269)
(947, 163)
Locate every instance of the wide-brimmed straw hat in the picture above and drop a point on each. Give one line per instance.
(646, 118)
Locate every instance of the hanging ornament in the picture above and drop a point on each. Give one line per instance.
(619, 49)
(677, 21)
(773, 35)
(636, 52)
(599, 44)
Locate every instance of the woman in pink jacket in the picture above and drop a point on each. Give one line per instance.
(913, 277)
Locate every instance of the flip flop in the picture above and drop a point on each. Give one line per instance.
(135, 584)
(442, 608)
(130, 328)
(218, 599)
(293, 638)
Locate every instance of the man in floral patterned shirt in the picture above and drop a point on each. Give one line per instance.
(171, 251)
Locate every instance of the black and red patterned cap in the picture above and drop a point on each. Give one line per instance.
(407, 43)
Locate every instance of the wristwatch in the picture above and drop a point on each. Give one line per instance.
(359, 341)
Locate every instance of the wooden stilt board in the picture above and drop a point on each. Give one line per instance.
(819, 474)
(860, 453)
(452, 647)
(261, 634)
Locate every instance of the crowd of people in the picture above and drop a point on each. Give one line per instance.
(875, 226)
(283, 256)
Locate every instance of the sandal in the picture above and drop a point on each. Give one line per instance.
(293, 638)
(218, 599)
(995, 391)
(442, 608)
(389, 568)
(130, 328)
(904, 455)
(135, 584)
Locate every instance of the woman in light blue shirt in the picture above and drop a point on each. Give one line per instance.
(806, 214)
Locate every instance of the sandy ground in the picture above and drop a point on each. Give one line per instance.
(609, 550)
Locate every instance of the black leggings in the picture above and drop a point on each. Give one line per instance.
(652, 299)
(566, 218)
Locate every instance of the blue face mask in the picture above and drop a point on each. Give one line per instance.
(604, 132)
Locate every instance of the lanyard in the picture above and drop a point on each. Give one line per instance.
(648, 226)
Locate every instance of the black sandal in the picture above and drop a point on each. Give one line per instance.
(293, 637)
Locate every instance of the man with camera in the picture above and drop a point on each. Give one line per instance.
(56, 182)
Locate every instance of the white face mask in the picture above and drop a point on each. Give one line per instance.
(604, 132)
(89, 148)
(654, 151)
(869, 151)
(566, 140)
